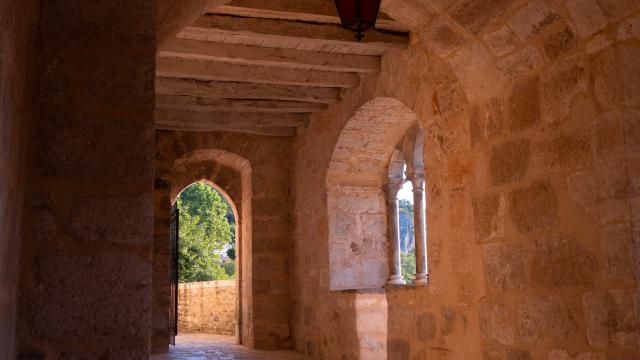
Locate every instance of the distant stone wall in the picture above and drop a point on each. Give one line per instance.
(207, 307)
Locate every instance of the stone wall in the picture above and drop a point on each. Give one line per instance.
(18, 76)
(530, 114)
(207, 307)
(254, 172)
(86, 259)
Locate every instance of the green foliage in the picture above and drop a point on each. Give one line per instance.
(408, 266)
(204, 233)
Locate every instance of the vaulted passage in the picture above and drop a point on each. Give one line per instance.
(515, 122)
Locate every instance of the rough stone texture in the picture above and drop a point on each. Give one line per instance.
(18, 21)
(587, 16)
(534, 208)
(92, 144)
(113, 290)
(542, 316)
(502, 41)
(207, 307)
(533, 18)
(509, 162)
(560, 43)
(610, 321)
(524, 104)
(560, 262)
(505, 266)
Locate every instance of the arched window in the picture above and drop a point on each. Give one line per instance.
(378, 151)
(399, 173)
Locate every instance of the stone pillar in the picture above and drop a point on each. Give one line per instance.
(395, 274)
(420, 229)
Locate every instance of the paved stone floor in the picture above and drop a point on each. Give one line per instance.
(207, 347)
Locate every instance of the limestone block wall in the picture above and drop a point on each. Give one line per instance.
(207, 307)
(530, 111)
(18, 21)
(255, 172)
(85, 289)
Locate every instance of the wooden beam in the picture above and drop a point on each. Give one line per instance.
(209, 121)
(291, 35)
(291, 10)
(263, 131)
(188, 103)
(173, 15)
(236, 90)
(258, 55)
(208, 70)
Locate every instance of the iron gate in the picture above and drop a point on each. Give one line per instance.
(174, 238)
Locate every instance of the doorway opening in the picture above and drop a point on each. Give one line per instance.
(206, 297)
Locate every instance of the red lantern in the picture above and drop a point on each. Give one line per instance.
(358, 15)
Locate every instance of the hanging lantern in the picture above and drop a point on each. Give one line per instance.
(358, 15)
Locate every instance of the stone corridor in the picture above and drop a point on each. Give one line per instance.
(218, 347)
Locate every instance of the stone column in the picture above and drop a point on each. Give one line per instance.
(420, 229)
(395, 274)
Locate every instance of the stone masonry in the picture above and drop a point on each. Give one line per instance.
(207, 307)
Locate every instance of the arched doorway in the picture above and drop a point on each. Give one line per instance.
(205, 294)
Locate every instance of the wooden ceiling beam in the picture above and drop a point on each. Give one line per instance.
(220, 121)
(189, 103)
(237, 90)
(258, 55)
(291, 35)
(209, 70)
(314, 12)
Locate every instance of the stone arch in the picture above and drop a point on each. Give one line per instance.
(231, 175)
(356, 202)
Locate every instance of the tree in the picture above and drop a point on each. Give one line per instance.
(204, 233)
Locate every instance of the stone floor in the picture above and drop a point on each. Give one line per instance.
(207, 347)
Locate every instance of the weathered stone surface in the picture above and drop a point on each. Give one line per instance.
(534, 208)
(563, 355)
(426, 327)
(521, 63)
(561, 84)
(118, 220)
(564, 152)
(399, 349)
(587, 16)
(489, 217)
(509, 162)
(441, 37)
(519, 355)
(68, 142)
(486, 122)
(601, 192)
(610, 320)
(630, 74)
(617, 9)
(119, 308)
(533, 18)
(476, 71)
(474, 15)
(505, 266)
(629, 29)
(497, 322)
(560, 43)
(542, 317)
(524, 104)
(207, 307)
(502, 42)
(606, 78)
(617, 253)
(560, 261)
